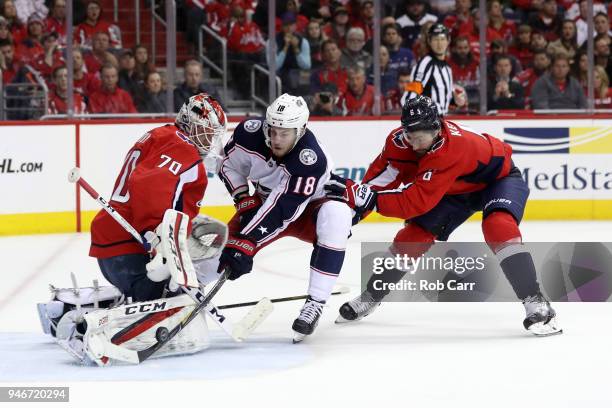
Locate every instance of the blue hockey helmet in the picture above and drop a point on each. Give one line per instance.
(420, 113)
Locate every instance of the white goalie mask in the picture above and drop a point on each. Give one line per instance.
(203, 121)
(289, 112)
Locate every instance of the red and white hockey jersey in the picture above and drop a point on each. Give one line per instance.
(163, 170)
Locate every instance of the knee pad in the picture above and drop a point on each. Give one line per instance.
(334, 221)
(412, 240)
(500, 229)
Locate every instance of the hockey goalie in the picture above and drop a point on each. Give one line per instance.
(146, 244)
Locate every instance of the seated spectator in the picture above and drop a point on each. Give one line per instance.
(411, 22)
(128, 79)
(17, 28)
(358, 100)
(601, 24)
(5, 31)
(110, 98)
(578, 13)
(246, 47)
(393, 98)
(567, 42)
(315, 38)
(603, 92)
(331, 71)
(99, 52)
(580, 68)
(527, 77)
(58, 96)
(503, 93)
(538, 41)
(498, 49)
(388, 75)
(336, 29)
(546, 20)
(556, 89)
(12, 69)
(292, 55)
(84, 82)
(473, 34)
(192, 85)
(497, 22)
(31, 46)
(521, 46)
(354, 54)
(93, 24)
(56, 20)
(400, 57)
(143, 65)
(29, 8)
(461, 19)
(465, 68)
(301, 21)
(602, 53)
(152, 99)
(325, 101)
(365, 21)
(50, 58)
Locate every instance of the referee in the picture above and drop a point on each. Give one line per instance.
(432, 76)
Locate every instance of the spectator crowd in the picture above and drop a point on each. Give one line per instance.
(535, 52)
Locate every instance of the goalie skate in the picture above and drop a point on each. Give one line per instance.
(308, 319)
(358, 308)
(541, 317)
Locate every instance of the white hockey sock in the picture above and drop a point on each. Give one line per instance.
(321, 284)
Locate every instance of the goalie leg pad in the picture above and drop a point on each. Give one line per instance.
(117, 334)
(174, 248)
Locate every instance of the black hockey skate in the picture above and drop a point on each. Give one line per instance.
(540, 318)
(308, 319)
(357, 308)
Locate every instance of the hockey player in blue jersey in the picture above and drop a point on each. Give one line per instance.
(283, 163)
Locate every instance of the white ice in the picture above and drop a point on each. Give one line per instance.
(410, 354)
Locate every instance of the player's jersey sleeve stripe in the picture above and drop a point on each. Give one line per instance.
(385, 177)
(188, 176)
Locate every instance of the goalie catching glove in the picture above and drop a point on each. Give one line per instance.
(360, 197)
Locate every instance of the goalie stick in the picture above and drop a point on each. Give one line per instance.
(238, 331)
(340, 291)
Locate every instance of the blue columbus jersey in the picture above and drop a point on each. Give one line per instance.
(285, 185)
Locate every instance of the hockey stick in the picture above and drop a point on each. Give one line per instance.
(340, 291)
(237, 331)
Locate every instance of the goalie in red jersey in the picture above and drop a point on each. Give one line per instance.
(163, 171)
(435, 174)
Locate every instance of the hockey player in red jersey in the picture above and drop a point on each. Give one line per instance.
(163, 170)
(435, 174)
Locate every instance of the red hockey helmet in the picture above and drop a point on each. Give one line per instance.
(203, 121)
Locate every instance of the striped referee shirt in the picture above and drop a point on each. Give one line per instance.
(433, 78)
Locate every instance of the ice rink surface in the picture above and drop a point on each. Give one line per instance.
(412, 354)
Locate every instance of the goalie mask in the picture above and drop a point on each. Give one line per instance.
(203, 121)
(287, 112)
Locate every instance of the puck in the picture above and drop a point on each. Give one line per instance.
(161, 334)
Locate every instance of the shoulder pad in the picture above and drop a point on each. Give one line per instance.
(307, 157)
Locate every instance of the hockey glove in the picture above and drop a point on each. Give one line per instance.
(237, 256)
(246, 208)
(359, 197)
